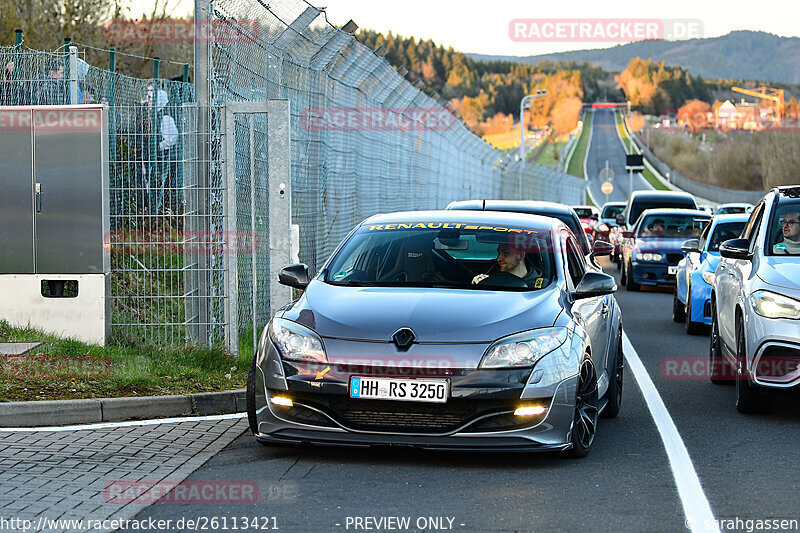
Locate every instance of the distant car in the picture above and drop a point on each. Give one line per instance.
(691, 301)
(590, 218)
(641, 200)
(394, 343)
(608, 221)
(755, 304)
(562, 212)
(730, 209)
(651, 253)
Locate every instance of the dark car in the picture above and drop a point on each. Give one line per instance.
(562, 212)
(652, 250)
(415, 334)
(641, 201)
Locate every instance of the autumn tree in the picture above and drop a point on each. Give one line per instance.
(694, 113)
(565, 115)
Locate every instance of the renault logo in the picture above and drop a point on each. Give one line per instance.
(403, 338)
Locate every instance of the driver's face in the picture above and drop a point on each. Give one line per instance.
(508, 258)
(658, 228)
(791, 227)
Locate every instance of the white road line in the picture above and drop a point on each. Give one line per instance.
(696, 508)
(129, 423)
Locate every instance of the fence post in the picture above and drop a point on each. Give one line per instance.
(202, 12)
(73, 76)
(64, 89)
(154, 131)
(279, 188)
(17, 67)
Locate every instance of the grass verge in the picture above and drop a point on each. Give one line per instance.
(579, 155)
(67, 369)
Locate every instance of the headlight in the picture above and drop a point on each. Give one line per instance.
(649, 257)
(771, 305)
(585, 225)
(603, 227)
(523, 349)
(708, 277)
(296, 342)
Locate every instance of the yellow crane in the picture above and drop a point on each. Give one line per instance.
(767, 93)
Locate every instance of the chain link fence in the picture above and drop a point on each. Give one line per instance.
(363, 140)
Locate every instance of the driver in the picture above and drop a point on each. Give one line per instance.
(657, 229)
(511, 260)
(790, 229)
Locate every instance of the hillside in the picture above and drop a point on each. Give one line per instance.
(749, 55)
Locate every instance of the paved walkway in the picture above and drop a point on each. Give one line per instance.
(61, 475)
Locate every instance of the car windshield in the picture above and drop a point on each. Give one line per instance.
(784, 231)
(445, 255)
(611, 211)
(731, 209)
(584, 212)
(724, 232)
(641, 206)
(671, 226)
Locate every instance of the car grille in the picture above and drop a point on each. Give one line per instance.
(410, 417)
(674, 259)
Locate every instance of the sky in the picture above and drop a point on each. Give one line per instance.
(483, 27)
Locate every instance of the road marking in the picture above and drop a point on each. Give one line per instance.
(695, 504)
(128, 423)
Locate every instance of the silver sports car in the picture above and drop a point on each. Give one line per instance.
(443, 329)
(755, 298)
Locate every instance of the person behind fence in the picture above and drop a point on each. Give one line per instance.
(141, 150)
(167, 152)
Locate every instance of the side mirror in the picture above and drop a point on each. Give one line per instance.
(692, 245)
(294, 276)
(594, 284)
(602, 248)
(595, 217)
(620, 220)
(735, 249)
(627, 233)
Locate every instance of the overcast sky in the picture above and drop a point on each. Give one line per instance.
(483, 27)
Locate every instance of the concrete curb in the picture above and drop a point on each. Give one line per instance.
(67, 412)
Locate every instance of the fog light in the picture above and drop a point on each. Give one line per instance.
(531, 410)
(280, 400)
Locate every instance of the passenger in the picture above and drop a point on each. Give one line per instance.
(512, 260)
(657, 229)
(790, 230)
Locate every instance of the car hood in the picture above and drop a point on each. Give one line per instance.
(780, 271)
(435, 315)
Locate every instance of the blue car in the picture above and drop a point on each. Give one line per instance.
(652, 248)
(691, 302)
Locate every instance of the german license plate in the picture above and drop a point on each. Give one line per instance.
(407, 390)
(672, 270)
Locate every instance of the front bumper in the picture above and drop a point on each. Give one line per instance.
(701, 303)
(773, 352)
(655, 274)
(479, 413)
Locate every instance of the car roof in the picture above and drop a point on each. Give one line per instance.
(517, 206)
(617, 204)
(735, 204)
(732, 217)
(675, 211)
(660, 194)
(504, 218)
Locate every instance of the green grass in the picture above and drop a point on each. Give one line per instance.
(579, 155)
(66, 369)
(549, 156)
(647, 173)
(589, 199)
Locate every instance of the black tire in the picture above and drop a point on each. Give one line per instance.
(614, 392)
(584, 422)
(629, 283)
(692, 328)
(748, 399)
(622, 277)
(719, 371)
(678, 309)
(251, 398)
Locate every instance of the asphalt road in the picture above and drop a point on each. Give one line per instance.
(606, 146)
(747, 465)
